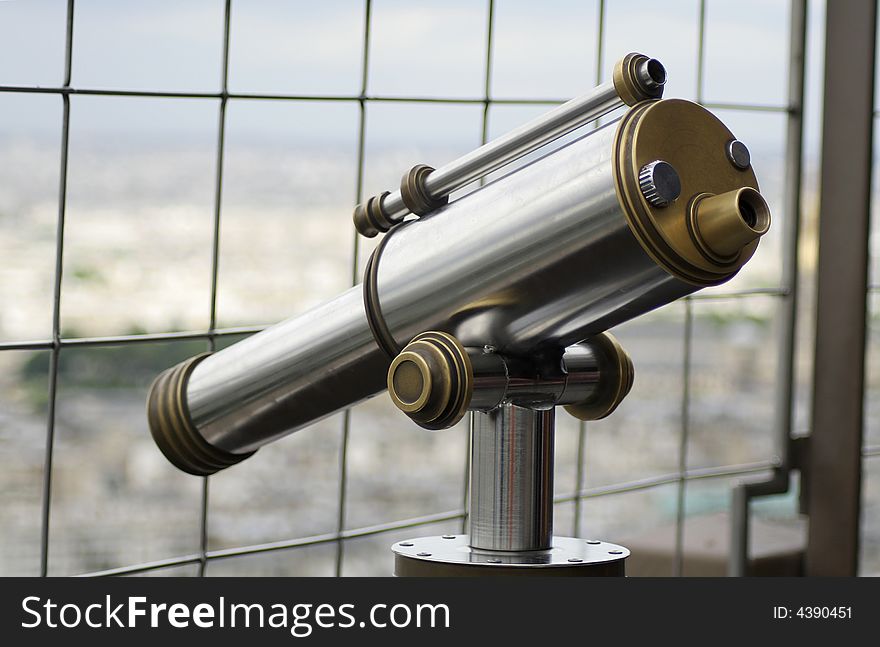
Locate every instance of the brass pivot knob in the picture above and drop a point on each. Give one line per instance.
(616, 376)
(431, 380)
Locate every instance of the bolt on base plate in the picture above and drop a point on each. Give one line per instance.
(452, 556)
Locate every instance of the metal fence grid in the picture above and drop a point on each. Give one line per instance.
(786, 293)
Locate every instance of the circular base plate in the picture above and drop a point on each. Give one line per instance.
(450, 555)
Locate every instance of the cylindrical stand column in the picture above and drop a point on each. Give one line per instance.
(511, 511)
(511, 497)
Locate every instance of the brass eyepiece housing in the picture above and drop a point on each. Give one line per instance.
(616, 377)
(432, 380)
(705, 235)
(723, 224)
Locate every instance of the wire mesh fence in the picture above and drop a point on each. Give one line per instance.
(708, 346)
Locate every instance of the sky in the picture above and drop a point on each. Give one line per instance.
(430, 48)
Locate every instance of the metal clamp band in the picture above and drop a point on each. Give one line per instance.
(375, 319)
(415, 194)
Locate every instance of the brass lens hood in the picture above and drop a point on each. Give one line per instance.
(173, 430)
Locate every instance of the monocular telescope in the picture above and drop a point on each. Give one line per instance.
(497, 303)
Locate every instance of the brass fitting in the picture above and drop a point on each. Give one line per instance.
(173, 430)
(724, 224)
(432, 380)
(710, 226)
(616, 376)
(370, 218)
(637, 78)
(415, 194)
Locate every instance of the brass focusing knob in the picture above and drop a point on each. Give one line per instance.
(659, 183)
(616, 375)
(431, 380)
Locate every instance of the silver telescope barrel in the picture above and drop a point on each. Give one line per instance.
(636, 78)
(622, 220)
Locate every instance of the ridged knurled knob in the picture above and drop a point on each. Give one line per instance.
(659, 183)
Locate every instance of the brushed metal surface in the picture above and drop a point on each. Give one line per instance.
(511, 493)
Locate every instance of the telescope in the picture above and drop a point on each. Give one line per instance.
(499, 304)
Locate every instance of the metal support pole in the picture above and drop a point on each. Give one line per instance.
(778, 483)
(835, 464)
(511, 512)
(512, 479)
(435, 379)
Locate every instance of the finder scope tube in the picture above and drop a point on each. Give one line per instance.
(635, 78)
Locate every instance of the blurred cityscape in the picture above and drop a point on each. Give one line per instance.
(137, 259)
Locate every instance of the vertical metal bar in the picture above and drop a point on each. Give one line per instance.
(794, 138)
(487, 77)
(466, 485)
(359, 192)
(835, 465)
(681, 495)
(215, 254)
(218, 177)
(56, 298)
(580, 476)
(778, 483)
(484, 137)
(684, 439)
(701, 51)
(580, 468)
(203, 527)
